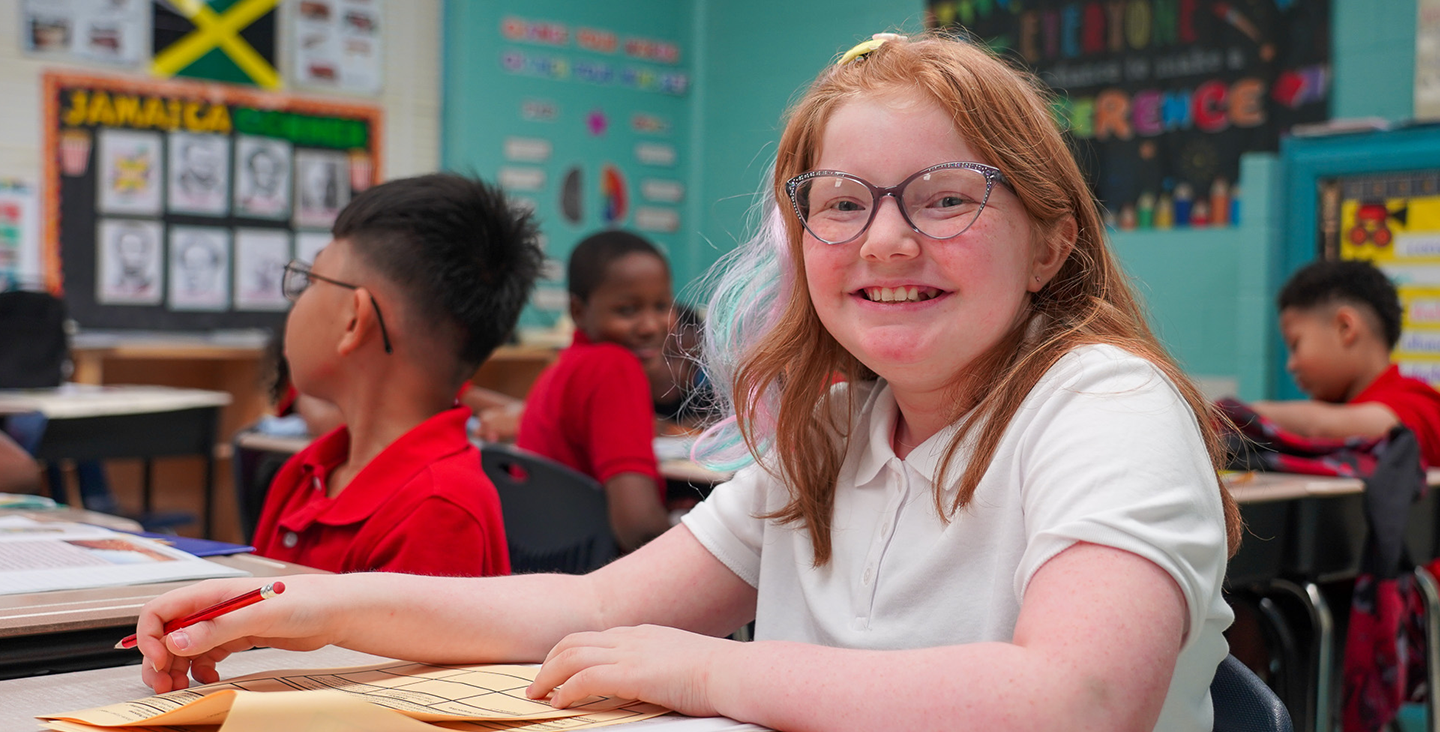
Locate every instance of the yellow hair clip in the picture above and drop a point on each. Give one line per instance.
(865, 48)
(861, 50)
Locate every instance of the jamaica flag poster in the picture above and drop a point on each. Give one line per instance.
(220, 40)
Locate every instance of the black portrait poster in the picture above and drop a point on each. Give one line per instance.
(1161, 97)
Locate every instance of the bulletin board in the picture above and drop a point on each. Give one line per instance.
(174, 205)
(584, 121)
(1372, 196)
(1160, 99)
(1392, 220)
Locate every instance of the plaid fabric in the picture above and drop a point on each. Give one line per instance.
(1260, 444)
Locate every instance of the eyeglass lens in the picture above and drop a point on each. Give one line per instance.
(294, 282)
(940, 204)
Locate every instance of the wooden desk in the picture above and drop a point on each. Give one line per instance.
(22, 699)
(228, 361)
(512, 370)
(88, 422)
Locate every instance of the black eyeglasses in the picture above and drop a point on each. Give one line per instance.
(297, 279)
(940, 202)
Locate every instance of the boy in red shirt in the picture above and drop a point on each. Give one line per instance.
(399, 487)
(1340, 320)
(591, 409)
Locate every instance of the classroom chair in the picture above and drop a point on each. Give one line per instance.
(34, 346)
(556, 519)
(252, 471)
(1243, 703)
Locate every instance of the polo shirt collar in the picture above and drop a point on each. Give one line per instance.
(876, 426)
(434, 439)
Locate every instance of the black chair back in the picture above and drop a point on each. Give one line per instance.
(253, 470)
(33, 344)
(556, 519)
(1243, 703)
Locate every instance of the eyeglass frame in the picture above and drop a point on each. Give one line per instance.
(301, 267)
(992, 176)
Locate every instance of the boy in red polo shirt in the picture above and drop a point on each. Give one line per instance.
(591, 409)
(1340, 320)
(399, 487)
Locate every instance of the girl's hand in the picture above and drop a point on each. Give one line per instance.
(665, 666)
(297, 620)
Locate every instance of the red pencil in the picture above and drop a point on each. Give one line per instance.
(215, 611)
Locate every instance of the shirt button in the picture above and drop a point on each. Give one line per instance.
(869, 575)
(290, 539)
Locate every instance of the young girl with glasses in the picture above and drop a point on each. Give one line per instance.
(1005, 515)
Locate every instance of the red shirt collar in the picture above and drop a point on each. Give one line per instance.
(580, 339)
(437, 437)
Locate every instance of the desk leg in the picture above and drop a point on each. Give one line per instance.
(209, 520)
(147, 486)
(1322, 649)
(1431, 593)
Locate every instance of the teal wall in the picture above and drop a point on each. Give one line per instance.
(1208, 292)
(760, 54)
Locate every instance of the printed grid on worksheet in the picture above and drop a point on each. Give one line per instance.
(454, 691)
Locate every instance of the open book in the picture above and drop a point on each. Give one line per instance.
(39, 556)
(399, 696)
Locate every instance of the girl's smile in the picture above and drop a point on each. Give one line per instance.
(900, 294)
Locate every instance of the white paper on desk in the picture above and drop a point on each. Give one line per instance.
(38, 556)
(673, 448)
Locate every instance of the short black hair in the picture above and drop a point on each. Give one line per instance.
(1345, 282)
(461, 252)
(592, 257)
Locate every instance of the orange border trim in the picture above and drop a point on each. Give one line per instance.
(54, 82)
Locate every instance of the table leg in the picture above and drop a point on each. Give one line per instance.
(1322, 649)
(1431, 594)
(147, 486)
(209, 509)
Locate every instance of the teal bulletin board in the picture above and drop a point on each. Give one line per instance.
(580, 113)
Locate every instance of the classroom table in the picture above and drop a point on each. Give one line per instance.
(22, 699)
(90, 422)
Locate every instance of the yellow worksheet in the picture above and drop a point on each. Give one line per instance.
(394, 695)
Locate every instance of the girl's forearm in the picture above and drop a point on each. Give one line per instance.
(990, 686)
(460, 619)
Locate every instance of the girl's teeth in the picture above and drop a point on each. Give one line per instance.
(897, 294)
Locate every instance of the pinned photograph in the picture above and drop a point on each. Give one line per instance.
(260, 258)
(309, 243)
(130, 165)
(322, 187)
(199, 174)
(128, 258)
(262, 178)
(199, 268)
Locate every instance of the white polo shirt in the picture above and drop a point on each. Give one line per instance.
(1104, 449)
